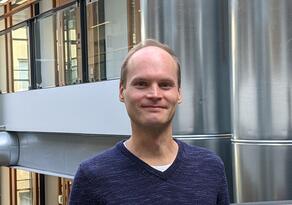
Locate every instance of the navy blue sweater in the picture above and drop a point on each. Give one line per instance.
(117, 176)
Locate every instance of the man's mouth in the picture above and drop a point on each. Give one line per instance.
(154, 106)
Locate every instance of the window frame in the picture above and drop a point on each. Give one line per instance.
(35, 179)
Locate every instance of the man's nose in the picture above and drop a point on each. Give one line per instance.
(154, 92)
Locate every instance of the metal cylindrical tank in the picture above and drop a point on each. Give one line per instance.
(261, 57)
(197, 30)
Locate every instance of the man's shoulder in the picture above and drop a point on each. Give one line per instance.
(201, 155)
(103, 160)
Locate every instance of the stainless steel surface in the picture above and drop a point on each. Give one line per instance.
(261, 55)
(9, 149)
(262, 172)
(60, 154)
(197, 31)
(266, 203)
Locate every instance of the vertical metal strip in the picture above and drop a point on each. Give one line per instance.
(83, 40)
(42, 194)
(31, 26)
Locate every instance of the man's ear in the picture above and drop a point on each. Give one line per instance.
(179, 101)
(121, 92)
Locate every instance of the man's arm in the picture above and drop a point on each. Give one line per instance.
(223, 195)
(82, 189)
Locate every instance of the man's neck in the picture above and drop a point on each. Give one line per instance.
(153, 146)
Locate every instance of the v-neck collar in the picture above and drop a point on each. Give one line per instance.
(146, 167)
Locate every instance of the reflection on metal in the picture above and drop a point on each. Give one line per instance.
(267, 203)
(261, 49)
(9, 149)
(261, 63)
(197, 31)
(263, 142)
(262, 173)
(60, 154)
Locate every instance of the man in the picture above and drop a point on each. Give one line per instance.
(151, 167)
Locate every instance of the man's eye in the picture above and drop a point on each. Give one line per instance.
(140, 84)
(166, 85)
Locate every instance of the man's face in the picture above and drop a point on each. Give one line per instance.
(151, 92)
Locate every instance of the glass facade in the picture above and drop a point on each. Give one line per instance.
(24, 187)
(45, 5)
(2, 24)
(21, 16)
(20, 56)
(107, 34)
(57, 40)
(58, 53)
(46, 58)
(3, 73)
(69, 38)
(15, 3)
(2, 20)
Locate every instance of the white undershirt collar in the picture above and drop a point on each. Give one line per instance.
(161, 168)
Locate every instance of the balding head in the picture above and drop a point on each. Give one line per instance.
(144, 44)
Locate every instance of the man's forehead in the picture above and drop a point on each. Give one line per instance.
(150, 52)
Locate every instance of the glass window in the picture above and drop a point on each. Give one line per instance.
(107, 23)
(16, 3)
(63, 2)
(112, 30)
(70, 41)
(21, 16)
(46, 63)
(2, 24)
(3, 79)
(64, 189)
(58, 53)
(1, 10)
(45, 5)
(24, 187)
(2, 20)
(20, 56)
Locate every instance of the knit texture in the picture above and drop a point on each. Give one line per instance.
(116, 176)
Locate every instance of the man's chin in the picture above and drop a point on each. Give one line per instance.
(156, 123)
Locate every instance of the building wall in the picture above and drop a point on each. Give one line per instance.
(4, 184)
(51, 188)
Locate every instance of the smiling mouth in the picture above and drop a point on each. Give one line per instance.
(153, 107)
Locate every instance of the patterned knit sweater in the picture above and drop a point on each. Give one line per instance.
(116, 176)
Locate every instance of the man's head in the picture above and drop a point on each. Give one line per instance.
(141, 45)
(150, 85)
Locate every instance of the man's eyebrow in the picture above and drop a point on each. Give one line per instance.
(139, 79)
(168, 80)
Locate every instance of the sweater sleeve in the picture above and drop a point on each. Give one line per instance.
(223, 195)
(81, 192)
